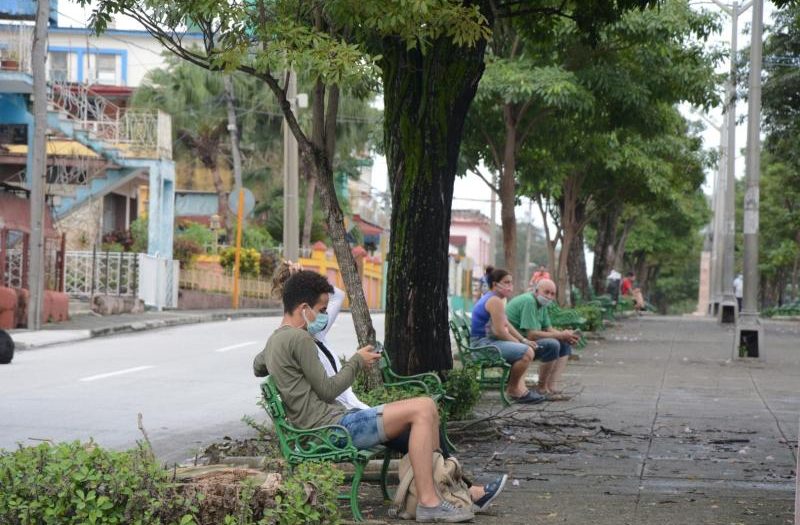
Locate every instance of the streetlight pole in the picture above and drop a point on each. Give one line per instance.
(719, 222)
(727, 305)
(233, 130)
(36, 177)
(748, 329)
(291, 213)
(715, 266)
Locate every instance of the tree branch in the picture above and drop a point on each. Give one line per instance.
(484, 179)
(493, 147)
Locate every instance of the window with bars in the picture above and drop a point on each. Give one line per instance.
(59, 66)
(106, 69)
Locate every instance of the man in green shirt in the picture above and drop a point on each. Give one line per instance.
(527, 313)
(309, 395)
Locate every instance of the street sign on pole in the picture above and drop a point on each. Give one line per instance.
(248, 203)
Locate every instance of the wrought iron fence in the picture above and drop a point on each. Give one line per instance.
(108, 273)
(14, 268)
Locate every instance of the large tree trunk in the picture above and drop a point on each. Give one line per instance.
(571, 226)
(319, 162)
(549, 240)
(308, 213)
(427, 97)
(619, 251)
(604, 247)
(576, 262)
(323, 135)
(334, 219)
(508, 194)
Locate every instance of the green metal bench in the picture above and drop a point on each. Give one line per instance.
(568, 319)
(327, 443)
(485, 358)
(424, 384)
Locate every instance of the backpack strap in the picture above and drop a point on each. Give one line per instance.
(399, 502)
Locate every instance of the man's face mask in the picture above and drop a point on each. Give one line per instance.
(319, 323)
(543, 301)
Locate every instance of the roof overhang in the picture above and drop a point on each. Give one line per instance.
(15, 82)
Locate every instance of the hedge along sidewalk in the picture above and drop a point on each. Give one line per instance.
(88, 326)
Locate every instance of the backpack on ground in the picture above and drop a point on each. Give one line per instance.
(447, 478)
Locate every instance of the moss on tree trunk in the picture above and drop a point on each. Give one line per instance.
(427, 97)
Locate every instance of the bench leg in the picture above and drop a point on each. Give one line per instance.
(387, 457)
(359, 471)
(449, 443)
(503, 383)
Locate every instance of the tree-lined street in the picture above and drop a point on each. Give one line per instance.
(688, 431)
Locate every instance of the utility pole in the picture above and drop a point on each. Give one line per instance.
(715, 268)
(748, 329)
(291, 214)
(39, 167)
(492, 223)
(719, 223)
(727, 305)
(233, 130)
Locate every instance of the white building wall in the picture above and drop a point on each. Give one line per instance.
(477, 247)
(135, 52)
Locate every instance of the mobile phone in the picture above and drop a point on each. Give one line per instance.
(378, 347)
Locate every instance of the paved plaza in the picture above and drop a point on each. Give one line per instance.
(686, 435)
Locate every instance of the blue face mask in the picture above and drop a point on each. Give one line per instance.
(318, 324)
(543, 301)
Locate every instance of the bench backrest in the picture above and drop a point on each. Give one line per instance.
(274, 405)
(460, 330)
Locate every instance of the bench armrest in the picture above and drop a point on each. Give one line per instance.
(316, 443)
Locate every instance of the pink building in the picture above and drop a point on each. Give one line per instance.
(470, 235)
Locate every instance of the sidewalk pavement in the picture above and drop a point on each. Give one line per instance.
(89, 325)
(683, 435)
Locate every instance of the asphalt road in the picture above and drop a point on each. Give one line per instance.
(192, 385)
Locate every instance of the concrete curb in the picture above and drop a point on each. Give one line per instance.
(139, 326)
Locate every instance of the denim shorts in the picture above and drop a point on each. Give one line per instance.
(365, 426)
(549, 349)
(511, 351)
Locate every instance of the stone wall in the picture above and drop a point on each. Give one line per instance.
(82, 227)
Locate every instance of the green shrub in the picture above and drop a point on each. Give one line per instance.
(139, 234)
(308, 495)
(113, 247)
(249, 262)
(75, 483)
(382, 394)
(462, 384)
(186, 250)
(257, 237)
(593, 315)
(197, 233)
